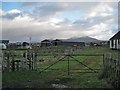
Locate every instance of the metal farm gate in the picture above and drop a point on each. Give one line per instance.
(71, 57)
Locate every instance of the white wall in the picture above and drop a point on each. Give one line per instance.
(114, 43)
(3, 46)
(117, 43)
(110, 44)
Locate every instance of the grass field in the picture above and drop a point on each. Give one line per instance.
(35, 79)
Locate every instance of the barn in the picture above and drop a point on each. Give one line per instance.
(26, 45)
(23, 45)
(66, 43)
(115, 41)
(45, 43)
(57, 42)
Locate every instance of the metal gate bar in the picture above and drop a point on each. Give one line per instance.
(52, 64)
(83, 64)
(68, 61)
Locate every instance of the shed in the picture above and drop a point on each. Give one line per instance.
(66, 43)
(115, 41)
(57, 42)
(26, 45)
(45, 42)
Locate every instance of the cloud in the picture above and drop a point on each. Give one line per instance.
(1, 12)
(11, 14)
(45, 20)
(47, 10)
(51, 9)
(24, 4)
(103, 13)
(14, 11)
(25, 26)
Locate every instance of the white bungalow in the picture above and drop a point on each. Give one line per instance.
(115, 41)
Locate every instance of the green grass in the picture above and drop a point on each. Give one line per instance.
(34, 79)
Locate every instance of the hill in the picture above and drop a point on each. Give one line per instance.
(85, 39)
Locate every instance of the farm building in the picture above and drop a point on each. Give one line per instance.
(36, 45)
(22, 45)
(57, 42)
(115, 41)
(3, 46)
(12, 46)
(26, 45)
(19, 44)
(81, 44)
(4, 42)
(46, 42)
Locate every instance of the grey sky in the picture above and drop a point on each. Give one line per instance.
(60, 20)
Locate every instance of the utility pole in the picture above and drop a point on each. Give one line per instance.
(30, 42)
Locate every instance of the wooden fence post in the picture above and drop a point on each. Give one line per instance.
(23, 62)
(26, 60)
(13, 63)
(29, 57)
(3, 62)
(8, 61)
(17, 66)
(34, 61)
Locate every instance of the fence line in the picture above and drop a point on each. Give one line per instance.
(111, 70)
(68, 56)
(13, 62)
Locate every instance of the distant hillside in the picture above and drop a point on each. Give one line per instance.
(82, 39)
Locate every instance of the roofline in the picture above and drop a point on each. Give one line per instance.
(114, 35)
